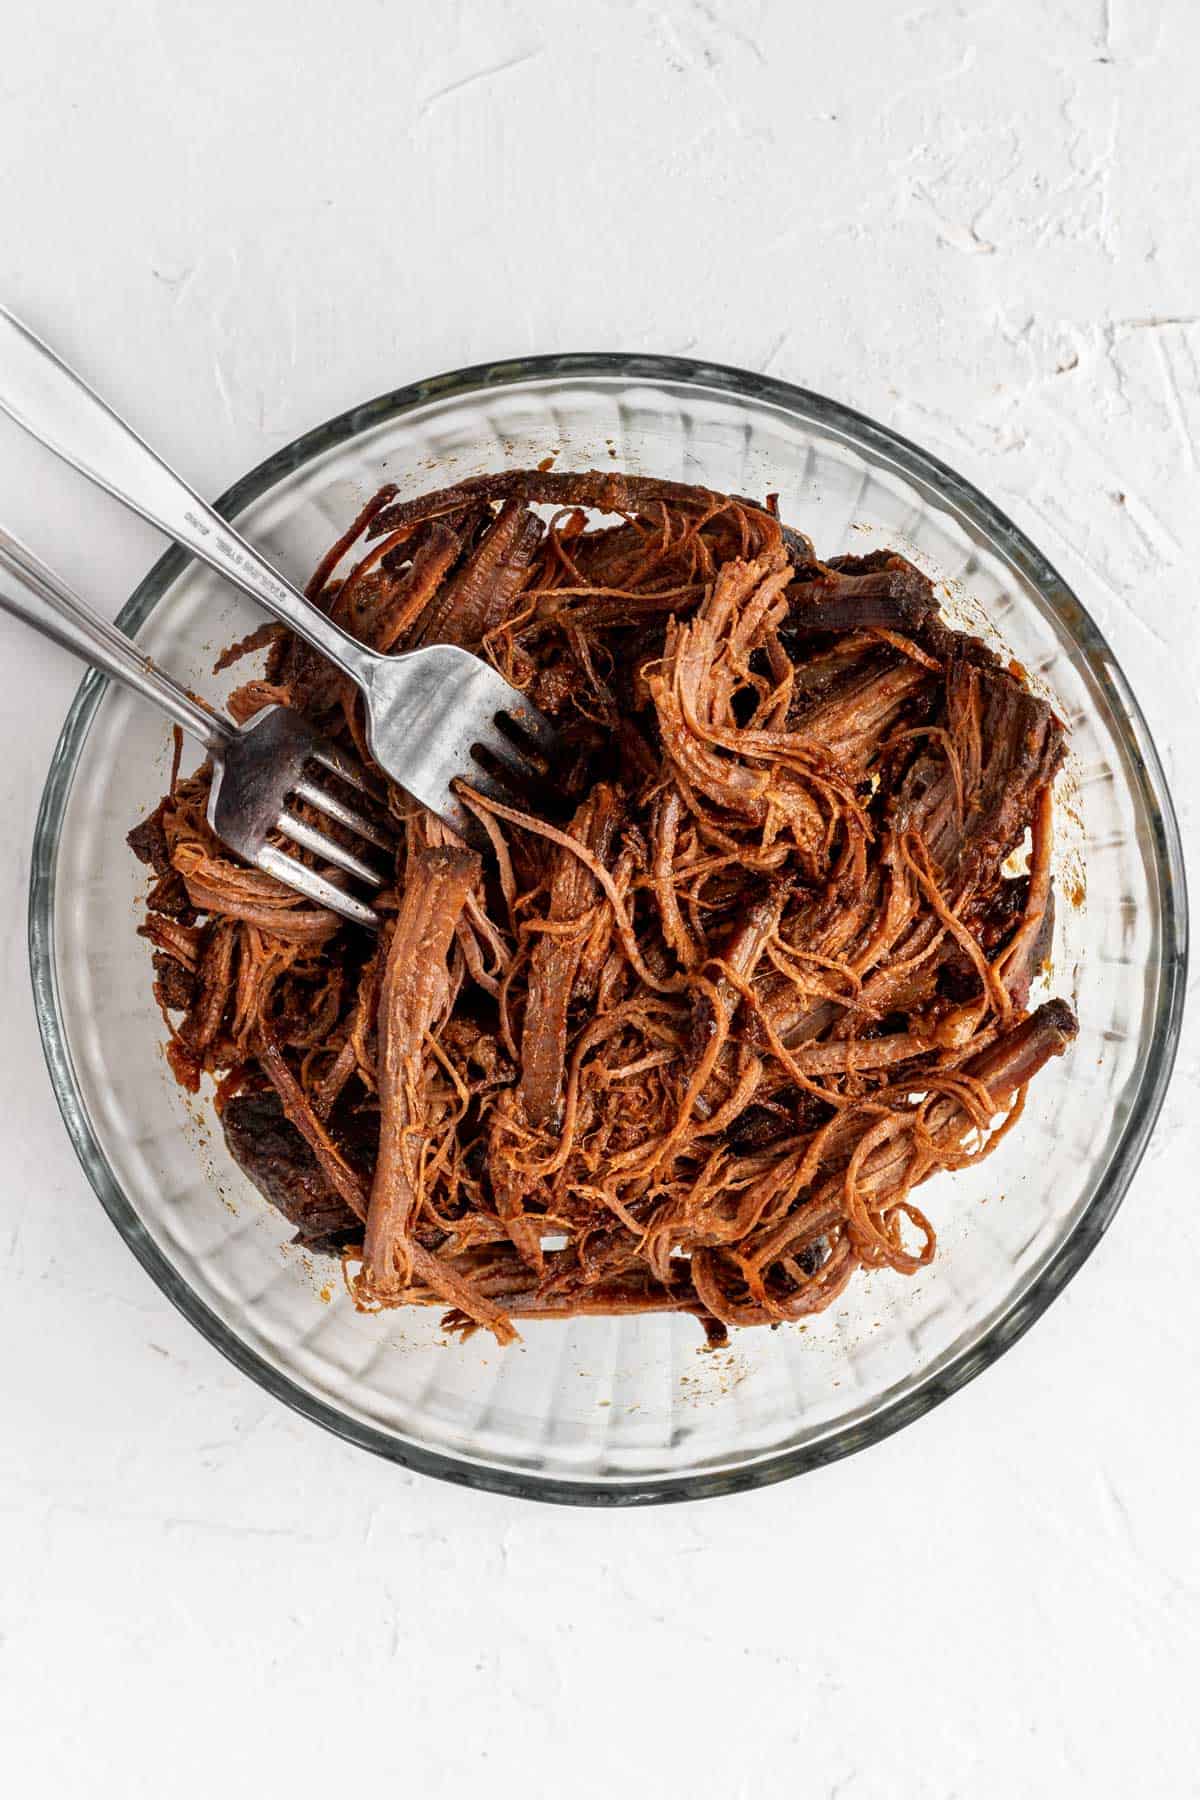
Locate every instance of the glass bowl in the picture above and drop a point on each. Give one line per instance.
(621, 1411)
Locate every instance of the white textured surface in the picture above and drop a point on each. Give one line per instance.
(976, 221)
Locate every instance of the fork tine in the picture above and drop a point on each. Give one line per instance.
(485, 781)
(310, 838)
(505, 699)
(315, 887)
(334, 808)
(452, 812)
(534, 726)
(341, 763)
(510, 756)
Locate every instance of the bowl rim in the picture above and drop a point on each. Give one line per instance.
(956, 495)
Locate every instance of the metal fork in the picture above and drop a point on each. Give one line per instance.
(256, 768)
(427, 711)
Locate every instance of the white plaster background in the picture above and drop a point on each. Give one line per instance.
(977, 221)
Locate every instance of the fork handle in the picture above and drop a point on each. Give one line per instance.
(34, 594)
(41, 393)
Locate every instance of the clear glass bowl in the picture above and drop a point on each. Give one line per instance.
(630, 1410)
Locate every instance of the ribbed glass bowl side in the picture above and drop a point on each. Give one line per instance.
(622, 1411)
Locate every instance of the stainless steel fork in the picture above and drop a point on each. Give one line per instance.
(257, 768)
(428, 711)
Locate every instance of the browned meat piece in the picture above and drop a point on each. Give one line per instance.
(404, 596)
(734, 968)
(898, 598)
(217, 885)
(269, 1149)
(604, 489)
(852, 721)
(1017, 1057)
(169, 896)
(798, 547)
(174, 985)
(484, 590)
(1018, 745)
(555, 957)
(415, 995)
(148, 841)
(183, 943)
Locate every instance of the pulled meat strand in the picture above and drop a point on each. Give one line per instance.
(556, 956)
(414, 994)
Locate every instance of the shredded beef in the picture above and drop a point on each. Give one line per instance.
(755, 967)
